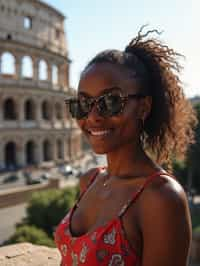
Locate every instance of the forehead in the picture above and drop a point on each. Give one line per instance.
(98, 78)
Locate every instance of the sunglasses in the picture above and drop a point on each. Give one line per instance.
(108, 104)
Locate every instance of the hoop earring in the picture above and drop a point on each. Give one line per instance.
(142, 133)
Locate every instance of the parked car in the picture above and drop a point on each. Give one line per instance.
(45, 176)
(31, 180)
(68, 170)
(10, 178)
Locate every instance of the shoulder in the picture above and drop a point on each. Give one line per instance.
(165, 196)
(165, 190)
(86, 177)
(165, 218)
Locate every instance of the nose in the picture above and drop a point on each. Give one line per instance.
(94, 114)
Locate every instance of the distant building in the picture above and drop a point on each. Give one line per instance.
(34, 81)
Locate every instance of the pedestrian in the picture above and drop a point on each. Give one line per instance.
(131, 106)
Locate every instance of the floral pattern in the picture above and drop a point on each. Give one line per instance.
(110, 238)
(106, 246)
(63, 249)
(116, 260)
(74, 259)
(83, 253)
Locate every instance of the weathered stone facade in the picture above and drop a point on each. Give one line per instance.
(34, 81)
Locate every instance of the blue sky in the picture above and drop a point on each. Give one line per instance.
(92, 26)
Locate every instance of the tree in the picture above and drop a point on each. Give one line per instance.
(193, 156)
(44, 212)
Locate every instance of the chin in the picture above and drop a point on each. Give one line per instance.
(99, 151)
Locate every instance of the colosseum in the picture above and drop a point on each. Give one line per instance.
(35, 126)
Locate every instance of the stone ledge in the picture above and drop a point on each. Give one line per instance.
(26, 254)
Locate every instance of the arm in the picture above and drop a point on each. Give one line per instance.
(166, 226)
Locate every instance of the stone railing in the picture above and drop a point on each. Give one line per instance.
(14, 196)
(26, 254)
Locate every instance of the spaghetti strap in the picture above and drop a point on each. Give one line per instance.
(137, 193)
(91, 180)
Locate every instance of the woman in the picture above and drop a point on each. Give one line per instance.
(131, 107)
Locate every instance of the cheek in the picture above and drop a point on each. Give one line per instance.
(129, 125)
(80, 124)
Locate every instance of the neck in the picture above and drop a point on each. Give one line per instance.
(131, 160)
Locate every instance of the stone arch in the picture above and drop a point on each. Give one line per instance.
(59, 146)
(58, 111)
(30, 152)
(9, 109)
(42, 70)
(10, 155)
(27, 67)
(46, 110)
(8, 64)
(47, 150)
(55, 74)
(29, 109)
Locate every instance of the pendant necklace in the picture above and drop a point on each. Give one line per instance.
(106, 180)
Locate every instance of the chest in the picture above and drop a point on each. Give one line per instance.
(99, 206)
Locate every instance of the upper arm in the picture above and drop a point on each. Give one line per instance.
(85, 178)
(166, 227)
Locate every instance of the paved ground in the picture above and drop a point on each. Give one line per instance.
(9, 217)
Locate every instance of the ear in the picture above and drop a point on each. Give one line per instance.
(145, 107)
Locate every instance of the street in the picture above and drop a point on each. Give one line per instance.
(9, 217)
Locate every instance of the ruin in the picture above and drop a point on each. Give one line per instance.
(35, 126)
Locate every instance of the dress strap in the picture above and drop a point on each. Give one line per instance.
(137, 193)
(90, 181)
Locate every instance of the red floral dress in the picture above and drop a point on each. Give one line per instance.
(105, 246)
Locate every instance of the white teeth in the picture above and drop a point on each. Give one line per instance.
(100, 133)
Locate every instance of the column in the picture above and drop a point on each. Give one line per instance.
(35, 69)
(18, 66)
(54, 149)
(2, 159)
(1, 111)
(39, 152)
(20, 153)
(20, 109)
(49, 72)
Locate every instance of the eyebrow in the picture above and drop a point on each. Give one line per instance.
(106, 90)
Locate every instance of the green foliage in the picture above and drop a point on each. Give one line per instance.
(32, 235)
(44, 212)
(193, 156)
(46, 209)
(180, 171)
(197, 229)
(190, 168)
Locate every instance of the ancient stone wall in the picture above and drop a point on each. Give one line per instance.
(34, 81)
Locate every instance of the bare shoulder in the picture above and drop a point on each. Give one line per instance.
(165, 218)
(165, 195)
(166, 190)
(84, 179)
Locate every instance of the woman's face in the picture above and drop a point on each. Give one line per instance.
(106, 134)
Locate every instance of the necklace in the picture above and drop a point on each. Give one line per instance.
(107, 178)
(105, 183)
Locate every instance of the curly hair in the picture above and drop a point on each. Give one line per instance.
(169, 128)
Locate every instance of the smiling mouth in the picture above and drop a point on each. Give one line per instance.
(100, 133)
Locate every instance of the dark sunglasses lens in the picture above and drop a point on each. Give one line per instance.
(77, 109)
(110, 105)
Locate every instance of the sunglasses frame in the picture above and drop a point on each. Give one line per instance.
(95, 100)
